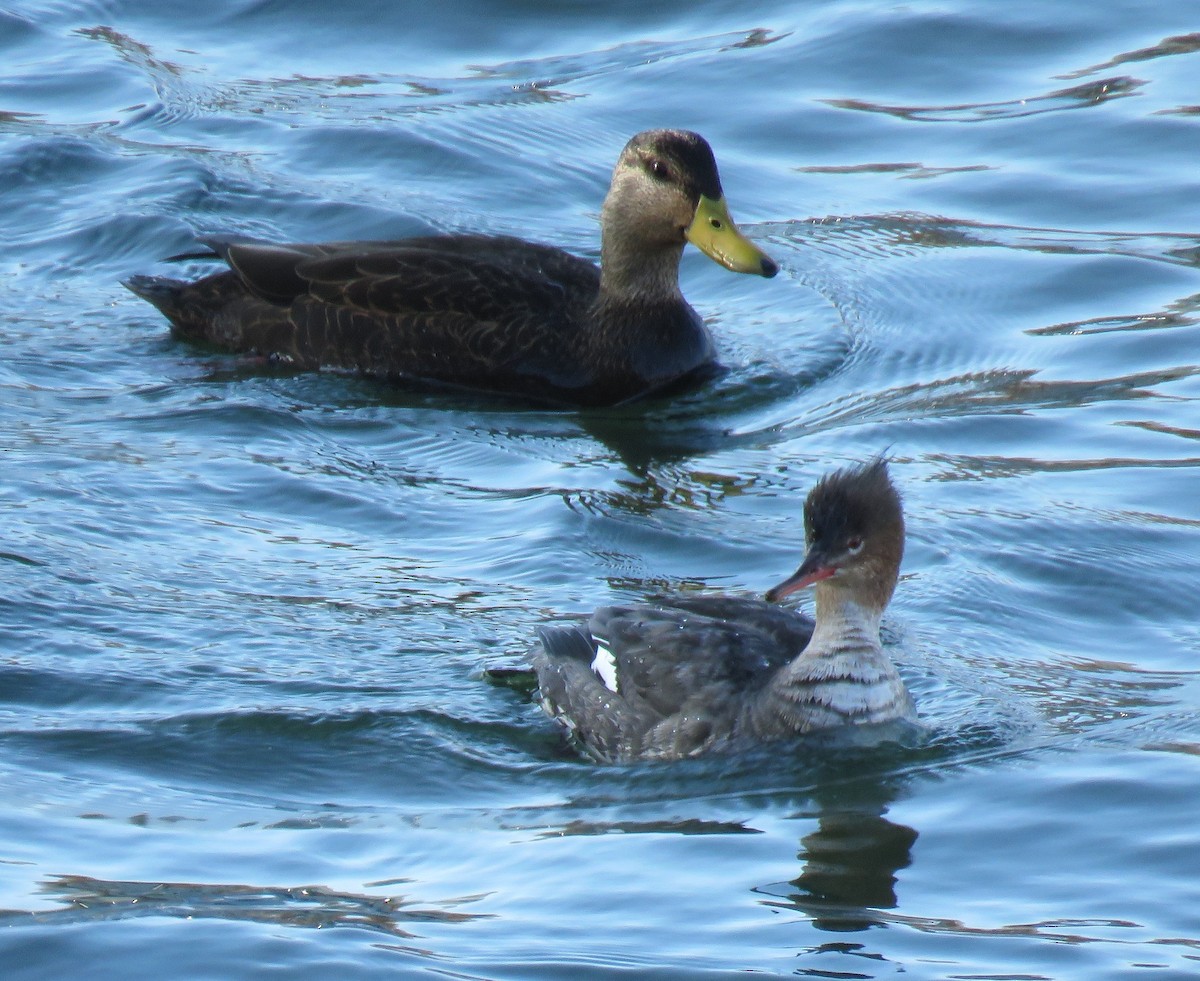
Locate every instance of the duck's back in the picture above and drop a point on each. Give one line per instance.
(490, 312)
(669, 680)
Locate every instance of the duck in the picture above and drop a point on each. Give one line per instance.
(492, 313)
(689, 675)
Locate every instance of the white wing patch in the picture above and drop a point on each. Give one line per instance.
(605, 665)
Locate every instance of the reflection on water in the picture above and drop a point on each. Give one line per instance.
(893, 235)
(185, 89)
(691, 826)
(315, 907)
(1178, 313)
(1078, 97)
(1179, 44)
(979, 393)
(849, 864)
(911, 171)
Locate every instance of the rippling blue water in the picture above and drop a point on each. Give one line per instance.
(243, 612)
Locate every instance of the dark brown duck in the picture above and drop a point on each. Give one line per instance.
(493, 313)
(691, 675)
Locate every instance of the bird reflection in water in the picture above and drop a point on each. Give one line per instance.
(849, 864)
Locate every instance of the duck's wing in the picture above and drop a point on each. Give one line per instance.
(600, 721)
(495, 271)
(664, 655)
(659, 680)
(789, 630)
(466, 310)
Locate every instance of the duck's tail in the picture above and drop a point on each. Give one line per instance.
(207, 309)
(162, 291)
(168, 296)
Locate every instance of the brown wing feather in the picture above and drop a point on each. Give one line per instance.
(467, 310)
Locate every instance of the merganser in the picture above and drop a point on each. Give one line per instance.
(691, 675)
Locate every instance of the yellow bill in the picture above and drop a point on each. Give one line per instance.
(713, 232)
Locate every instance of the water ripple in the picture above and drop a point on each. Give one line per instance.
(368, 98)
(896, 235)
(88, 900)
(1077, 97)
(1184, 312)
(1178, 44)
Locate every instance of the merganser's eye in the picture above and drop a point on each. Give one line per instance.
(854, 544)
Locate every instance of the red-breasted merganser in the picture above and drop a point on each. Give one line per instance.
(695, 674)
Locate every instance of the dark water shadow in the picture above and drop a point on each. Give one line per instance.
(694, 418)
(696, 421)
(1077, 97)
(368, 98)
(1176, 44)
(993, 392)
(89, 900)
(849, 864)
(1184, 312)
(905, 170)
(846, 876)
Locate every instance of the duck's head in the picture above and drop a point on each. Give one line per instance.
(854, 533)
(666, 191)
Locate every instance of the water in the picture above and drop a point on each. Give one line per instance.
(244, 612)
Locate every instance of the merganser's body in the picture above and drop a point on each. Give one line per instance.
(691, 675)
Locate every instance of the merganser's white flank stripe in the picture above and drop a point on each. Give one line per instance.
(605, 666)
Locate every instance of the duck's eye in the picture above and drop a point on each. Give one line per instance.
(659, 169)
(854, 544)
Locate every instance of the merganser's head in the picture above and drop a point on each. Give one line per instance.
(854, 533)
